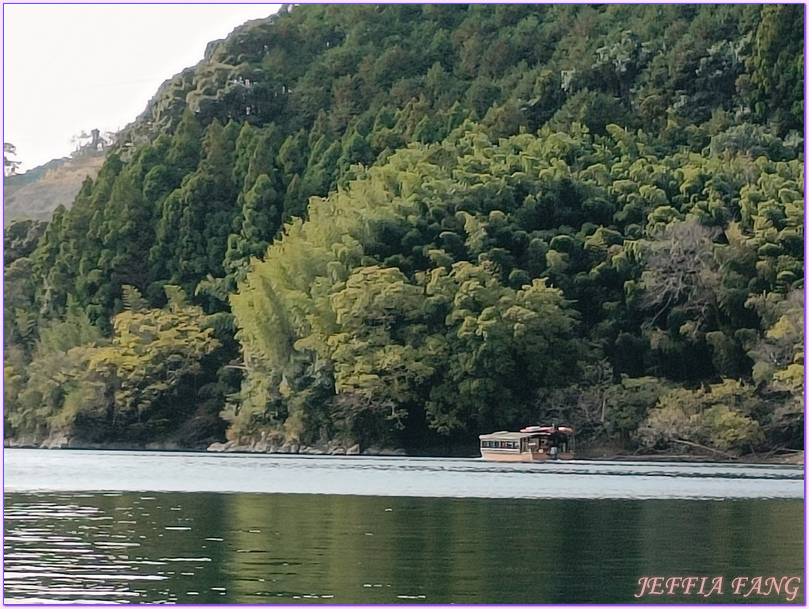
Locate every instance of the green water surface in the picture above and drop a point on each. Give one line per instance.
(243, 548)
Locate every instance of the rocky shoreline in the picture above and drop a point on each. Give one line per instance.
(325, 448)
(61, 441)
(335, 447)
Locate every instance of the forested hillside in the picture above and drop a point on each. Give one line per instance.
(404, 225)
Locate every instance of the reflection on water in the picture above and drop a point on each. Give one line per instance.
(275, 548)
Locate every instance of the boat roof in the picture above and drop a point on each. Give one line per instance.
(505, 435)
(517, 435)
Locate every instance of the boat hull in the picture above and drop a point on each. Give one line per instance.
(526, 457)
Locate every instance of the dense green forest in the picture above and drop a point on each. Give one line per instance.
(403, 225)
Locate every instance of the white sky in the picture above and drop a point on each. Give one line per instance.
(69, 68)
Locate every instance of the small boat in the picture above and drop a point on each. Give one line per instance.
(534, 443)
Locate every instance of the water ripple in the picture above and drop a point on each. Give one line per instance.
(82, 471)
(302, 548)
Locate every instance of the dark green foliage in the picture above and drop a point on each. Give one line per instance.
(423, 217)
(20, 238)
(400, 293)
(777, 90)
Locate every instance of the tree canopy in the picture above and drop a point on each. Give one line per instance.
(404, 225)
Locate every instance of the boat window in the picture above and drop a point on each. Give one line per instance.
(503, 444)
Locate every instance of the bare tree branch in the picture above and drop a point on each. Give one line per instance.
(681, 271)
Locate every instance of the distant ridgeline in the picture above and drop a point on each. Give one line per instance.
(402, 225)
(35, 194)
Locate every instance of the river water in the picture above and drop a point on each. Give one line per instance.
(150, 527)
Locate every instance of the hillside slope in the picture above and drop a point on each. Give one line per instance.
(402, 225)
(37, 193)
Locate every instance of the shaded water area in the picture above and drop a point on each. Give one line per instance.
(165, 534)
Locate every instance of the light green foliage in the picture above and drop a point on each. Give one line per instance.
(283, 308)
(379, 352)
(454, 336)
(496, 335)
(39, 383)
(73, 331)
(36, 406)
(93, 389)
(717, 417)
(337, 320)
(778, 358)
(629, 402)
(151, 352)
